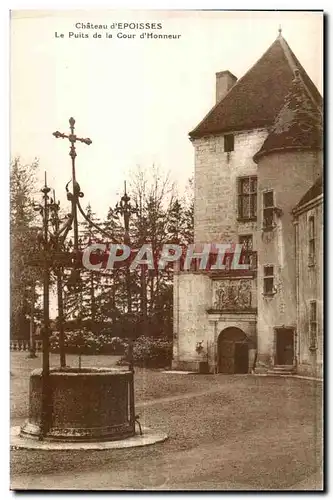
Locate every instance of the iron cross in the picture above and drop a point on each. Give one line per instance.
(72, 137)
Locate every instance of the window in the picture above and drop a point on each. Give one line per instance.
(247, 241)
(229, 143)
(313, 324)
(269, 280)
(228, 262)
(247, 198)
(312, 241)
(268, 209)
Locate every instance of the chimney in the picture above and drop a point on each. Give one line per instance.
(224, 81)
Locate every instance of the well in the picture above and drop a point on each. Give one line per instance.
(84, 405)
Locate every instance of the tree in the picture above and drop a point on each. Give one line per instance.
(101, 299)
(112, 225)
(24, 278)
(82, 301)
(188, 202)
(153, 194)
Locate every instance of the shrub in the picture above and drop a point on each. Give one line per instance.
(86, 342)
(151, 352)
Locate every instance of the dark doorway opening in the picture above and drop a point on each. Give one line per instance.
(233, 351)
(241, 357)
(226, 362)
(284, 346)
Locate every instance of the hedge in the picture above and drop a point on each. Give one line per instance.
(86, 342)
(150, 352)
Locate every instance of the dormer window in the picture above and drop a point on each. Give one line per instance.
(229, 143)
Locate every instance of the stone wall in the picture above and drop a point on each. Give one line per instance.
(216, 172)
(215, 221)
(310, 287)
(289, 175)
(192, 298)
(198, 319)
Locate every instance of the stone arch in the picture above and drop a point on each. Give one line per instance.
(233, 351)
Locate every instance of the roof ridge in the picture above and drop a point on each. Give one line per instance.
(314, 191)
(257, 96)
(287, 131)
(287, 52)
(215, 106)
(233, 87)
(293, 66)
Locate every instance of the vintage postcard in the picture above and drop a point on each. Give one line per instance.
(166, 228)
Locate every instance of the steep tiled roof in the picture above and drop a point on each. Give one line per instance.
(298, 124)
(257, 97)
(315, 190)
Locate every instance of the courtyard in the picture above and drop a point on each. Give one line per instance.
(226, 432)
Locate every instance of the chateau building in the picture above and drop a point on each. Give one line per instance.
(258, 182)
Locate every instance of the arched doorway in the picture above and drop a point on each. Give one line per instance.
(233, 351)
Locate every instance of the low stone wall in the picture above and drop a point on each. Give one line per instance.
(24, 345)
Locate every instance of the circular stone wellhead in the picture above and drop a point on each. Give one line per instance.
(84, 405)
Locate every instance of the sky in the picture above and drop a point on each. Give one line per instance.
(136, 99)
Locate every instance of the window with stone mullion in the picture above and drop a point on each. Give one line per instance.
(247, 198)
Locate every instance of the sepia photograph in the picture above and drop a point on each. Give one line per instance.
(166, 250)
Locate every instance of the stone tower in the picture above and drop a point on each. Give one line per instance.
(216, 313)
(289, 163)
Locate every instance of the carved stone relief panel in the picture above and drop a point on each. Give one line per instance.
(232, 294)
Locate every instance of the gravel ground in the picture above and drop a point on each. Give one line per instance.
(226, 432)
